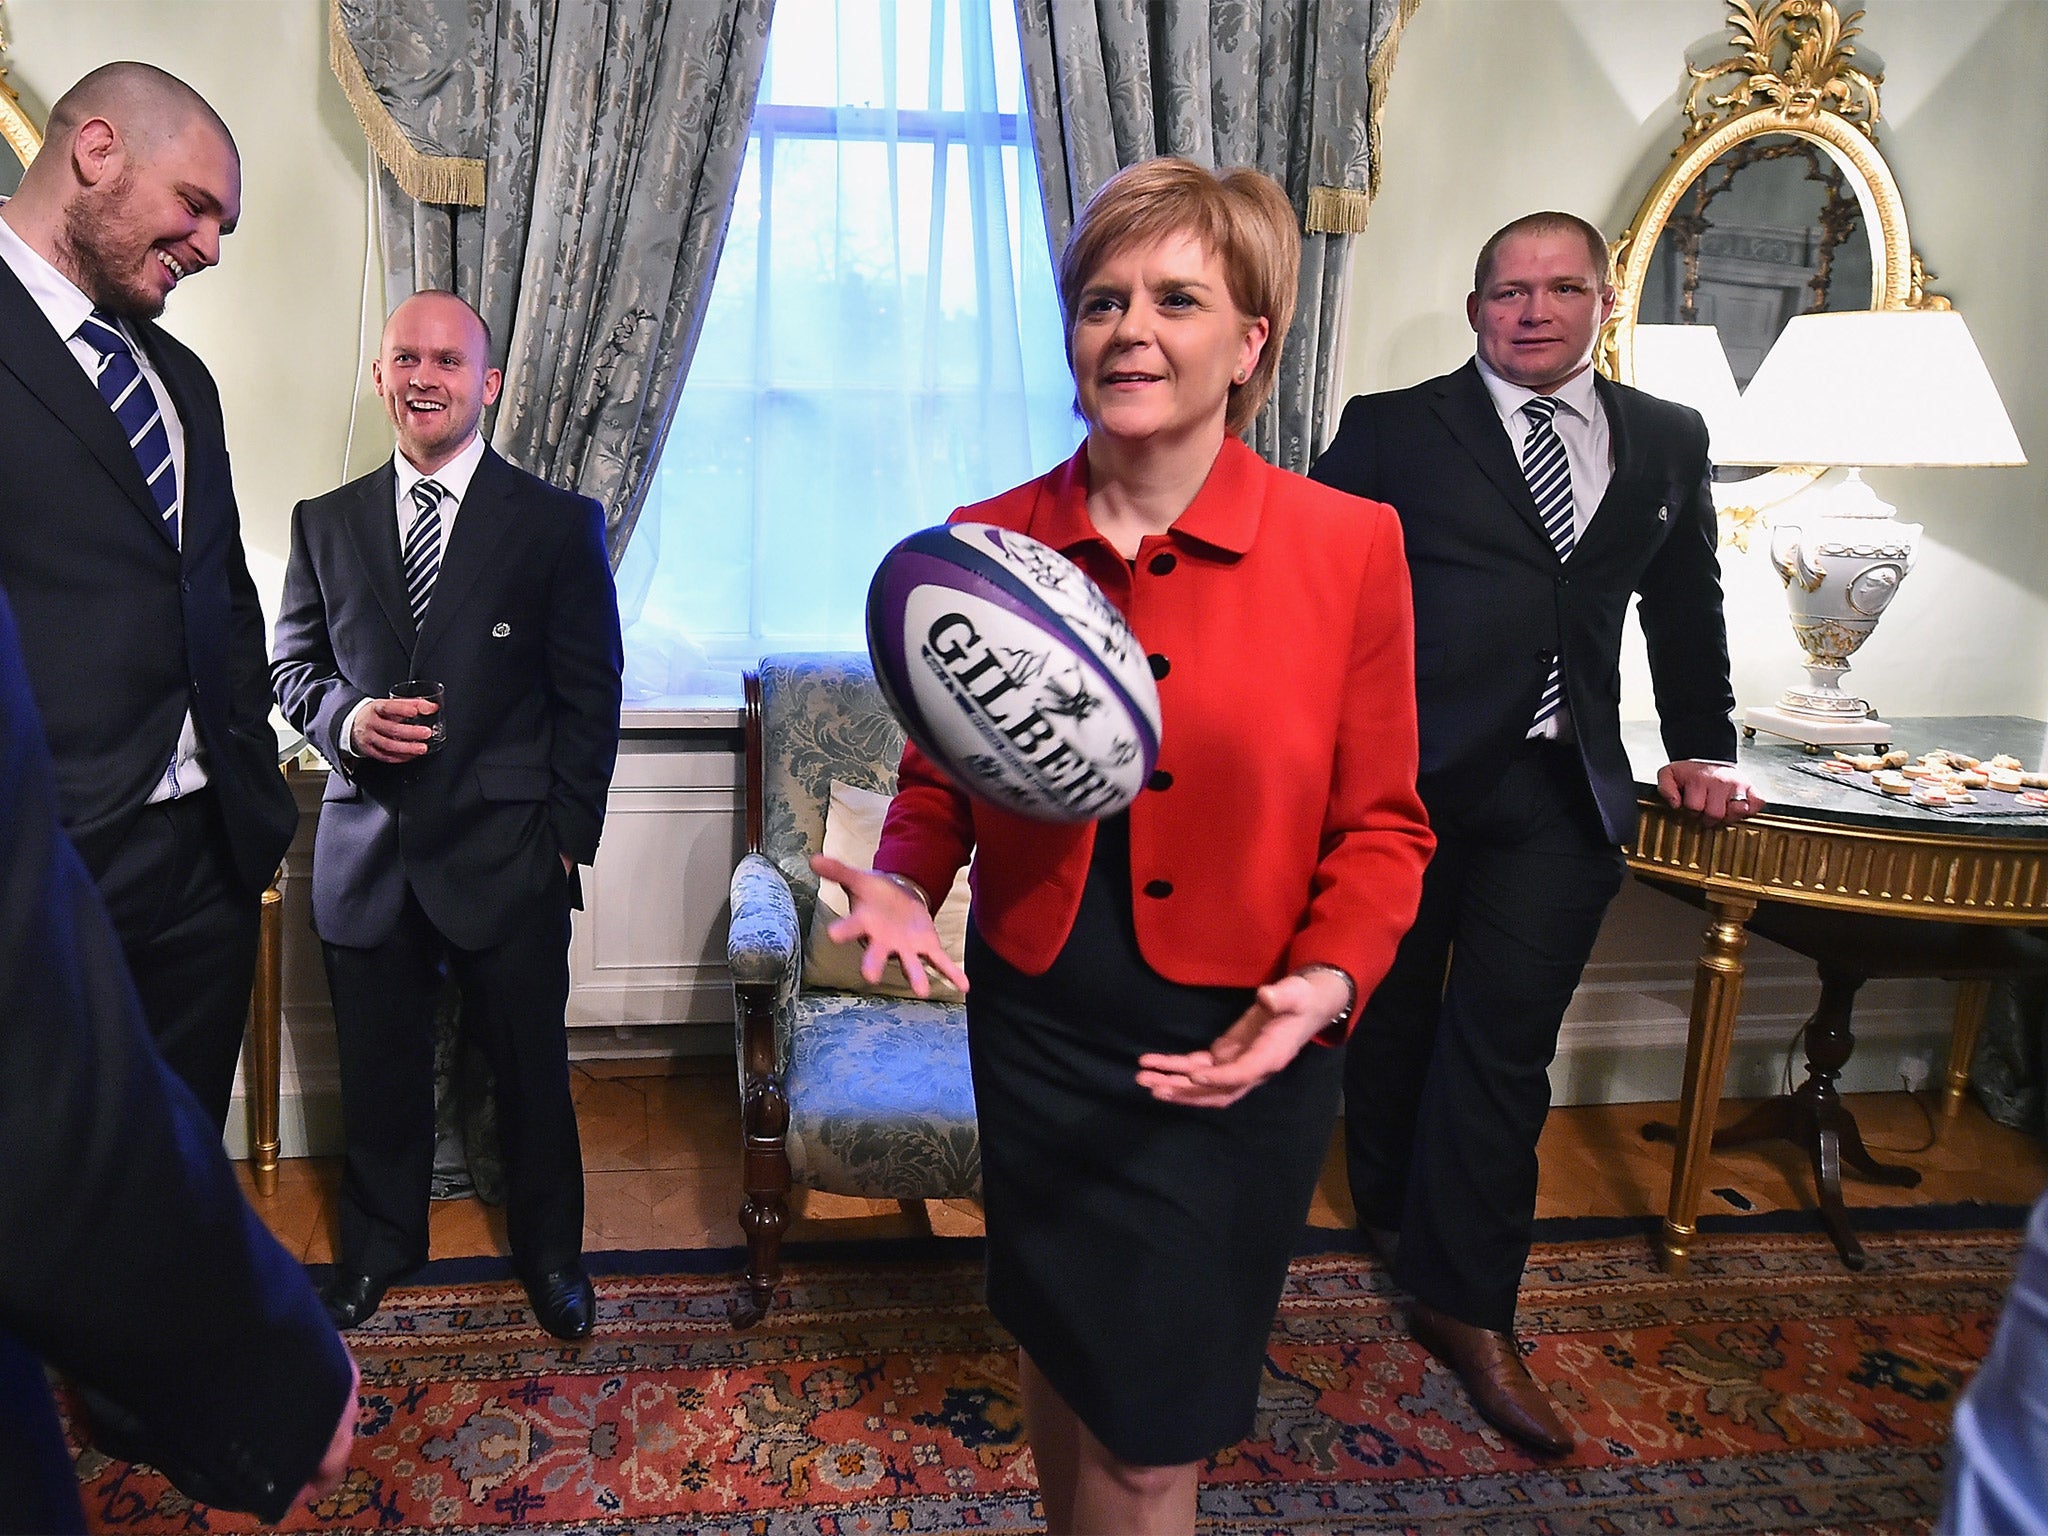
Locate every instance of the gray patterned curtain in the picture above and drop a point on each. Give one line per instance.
(568, 166)
(1291, 87)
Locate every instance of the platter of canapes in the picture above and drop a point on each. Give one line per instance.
(1943, 780)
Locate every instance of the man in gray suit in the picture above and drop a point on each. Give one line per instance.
(449, 838)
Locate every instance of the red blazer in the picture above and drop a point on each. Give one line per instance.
(1282, 826)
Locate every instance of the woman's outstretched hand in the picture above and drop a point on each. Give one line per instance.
(1284, 1016)
(891, 923)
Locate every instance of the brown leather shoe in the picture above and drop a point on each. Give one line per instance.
(1500, 1386)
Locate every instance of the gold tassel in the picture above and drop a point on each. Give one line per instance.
(1335, 211)
(1343, 210)
(425, 178)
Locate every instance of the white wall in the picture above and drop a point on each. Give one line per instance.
(277, 319)
(1498, 107)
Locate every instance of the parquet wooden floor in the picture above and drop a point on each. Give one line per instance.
(662, 1170)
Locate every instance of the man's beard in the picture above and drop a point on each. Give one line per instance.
(105, 257)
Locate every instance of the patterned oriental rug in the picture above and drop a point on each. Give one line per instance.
(1770, 1390)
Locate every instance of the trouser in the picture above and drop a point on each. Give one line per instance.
(188, 929)
(38, 1488)
(1447, 1074)
(515, 995)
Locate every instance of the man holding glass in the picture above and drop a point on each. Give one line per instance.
(449, 639)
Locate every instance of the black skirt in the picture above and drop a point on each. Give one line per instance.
(1136, 1249)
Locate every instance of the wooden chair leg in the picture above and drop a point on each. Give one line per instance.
(1971, 998)
(764, 1122)
(764, 1214)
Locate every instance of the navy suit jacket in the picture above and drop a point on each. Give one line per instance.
(120, 632)
(523, 633)
(1494, 605)
(132, 1262)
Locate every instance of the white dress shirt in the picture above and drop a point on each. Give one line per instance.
(1581, 424)
(66, 307)
(453, 478)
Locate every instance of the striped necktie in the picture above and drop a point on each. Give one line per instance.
(422, 556)
(133, 403)
(1549, 475)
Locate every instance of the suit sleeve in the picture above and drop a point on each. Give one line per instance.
(585, 663)
(1346, 464)
(1376, 837)
(314, 695)
(133, 1263)
(1684, 629)
(928, 833)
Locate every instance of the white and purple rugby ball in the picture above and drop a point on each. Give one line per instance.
(1010, 670)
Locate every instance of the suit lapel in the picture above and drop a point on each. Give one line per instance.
(36, 355)
(372, 522)
(1467, 409)
(479, 525)
(1611, 516)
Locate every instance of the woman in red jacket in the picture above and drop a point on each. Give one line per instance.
(1146, 989)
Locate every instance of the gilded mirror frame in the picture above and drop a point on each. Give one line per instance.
(1790, 72)
(20, 131)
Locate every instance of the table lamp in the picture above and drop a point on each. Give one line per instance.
(1894, 388)
(1687, 363)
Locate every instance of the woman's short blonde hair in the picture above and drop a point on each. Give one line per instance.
(1244, 219)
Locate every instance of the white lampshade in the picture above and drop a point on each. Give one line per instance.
(1687, 363)
(1878, 387)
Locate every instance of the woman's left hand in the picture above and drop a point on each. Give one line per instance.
(1285, 1016)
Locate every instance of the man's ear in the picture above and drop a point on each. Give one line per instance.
(96, 151)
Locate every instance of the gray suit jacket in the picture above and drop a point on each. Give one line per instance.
(523, 633)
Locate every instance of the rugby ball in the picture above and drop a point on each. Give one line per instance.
(1011, 671)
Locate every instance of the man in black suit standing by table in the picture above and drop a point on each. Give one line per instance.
(120, 549)
(1536, 498)
(452, 838)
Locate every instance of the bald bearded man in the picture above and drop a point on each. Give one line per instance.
(121, 551)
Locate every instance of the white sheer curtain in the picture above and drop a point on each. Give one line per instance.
(882, 345)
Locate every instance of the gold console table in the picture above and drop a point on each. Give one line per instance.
(1837, 847)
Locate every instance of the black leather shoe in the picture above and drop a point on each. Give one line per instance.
(564, 1301)
(352, 1299)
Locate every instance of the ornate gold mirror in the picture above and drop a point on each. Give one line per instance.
(1776, 203)
(23, 137)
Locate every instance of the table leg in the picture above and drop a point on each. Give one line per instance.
(1971, 999)
(266, 1005)
(1716, 996)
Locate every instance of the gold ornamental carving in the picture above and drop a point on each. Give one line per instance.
(18, 131)
(1794, 55)
(1847, 868)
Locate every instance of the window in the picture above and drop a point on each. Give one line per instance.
(882, 343)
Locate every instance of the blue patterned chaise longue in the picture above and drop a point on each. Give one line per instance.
(839, 1091)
